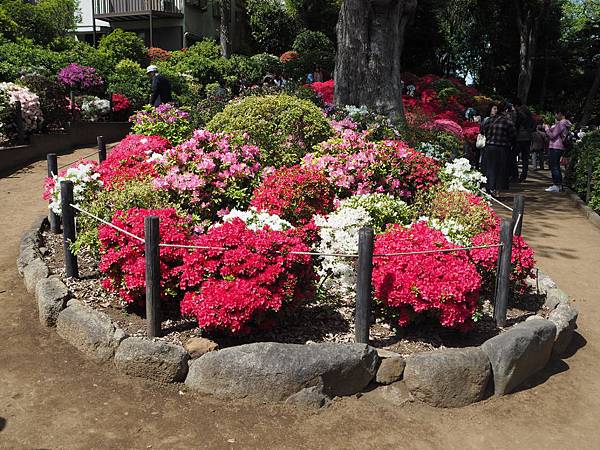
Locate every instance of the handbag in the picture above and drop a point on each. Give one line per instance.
(480, 143)
(564, 161)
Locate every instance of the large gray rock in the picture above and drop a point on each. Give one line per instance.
(544, 281)
(448, 378)
(519, 353)
(273, 372)
(565, 319)
(156, 360)
(90, 331)
(51, 295)
(35, 271)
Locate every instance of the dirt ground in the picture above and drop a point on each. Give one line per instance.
(52, 398)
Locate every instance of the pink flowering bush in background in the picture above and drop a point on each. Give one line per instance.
(80, 78)
(31, 110)
(210, 172)
(356, 166)
(441, 285)
(241, 287)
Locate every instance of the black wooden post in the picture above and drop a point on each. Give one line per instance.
(364, 289)
(152, 239)
(68, 220)
(518, 214)
(19, 123)
(101, 149)
(503, 274)
(53, 171)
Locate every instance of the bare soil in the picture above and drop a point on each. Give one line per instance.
(51, 397)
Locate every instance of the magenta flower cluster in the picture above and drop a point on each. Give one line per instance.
(79, 77)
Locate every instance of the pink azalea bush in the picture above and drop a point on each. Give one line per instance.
(442, 285)
(122, 258)
(210, 172)
(131, 159)
(356, 166)
(31, 110)
(79, 77)
(295, 194)
(248, 277)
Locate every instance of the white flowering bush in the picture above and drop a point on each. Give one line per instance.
(455, 232)
(256, 220)
(31, 110)
(338, 234)
(94, 109)
(383, 209)
(434, 151)
(86, 180)
(458, 175)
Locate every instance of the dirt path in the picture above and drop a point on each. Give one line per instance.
(50, 397)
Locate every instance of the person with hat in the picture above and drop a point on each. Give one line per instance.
(161, 87)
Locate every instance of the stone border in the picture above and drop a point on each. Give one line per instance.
(308, 375)
(588, 212)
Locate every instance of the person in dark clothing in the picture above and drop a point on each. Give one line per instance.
(161, 87)
(525, 125)
(499, 134)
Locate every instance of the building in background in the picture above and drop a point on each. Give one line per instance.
(168, 24)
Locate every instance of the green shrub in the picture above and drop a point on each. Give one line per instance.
(120, 45)
(17, 59)
(266, 63)
(284, 127)
(315, 49)
(129, 79)
(203, 61)
(7, 122)
(132, 194)
(585, 154)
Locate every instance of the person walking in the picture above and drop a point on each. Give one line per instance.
(539, 145)
(525, 125)
(492, 113)
(161, 87)
(499, 132)
(557, 133)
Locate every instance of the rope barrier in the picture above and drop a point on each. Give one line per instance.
(495, 200)
(519, 217)
(329, 255)
(107, 223)
(78, 160)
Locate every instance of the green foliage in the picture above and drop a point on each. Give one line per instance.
(317, 15)
(272, 26)
(284, 127)
(41, 22)
(266, 63)
(120, 45)
(313, 42)
(202, 60)
(132, 194)
(383, 209)
(165, 120)
(17, 59)
(129, 78)
(586, 154)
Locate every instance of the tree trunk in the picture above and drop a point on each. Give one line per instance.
(589, 101)
(528, 24)
(370, 41)
(224, 27)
